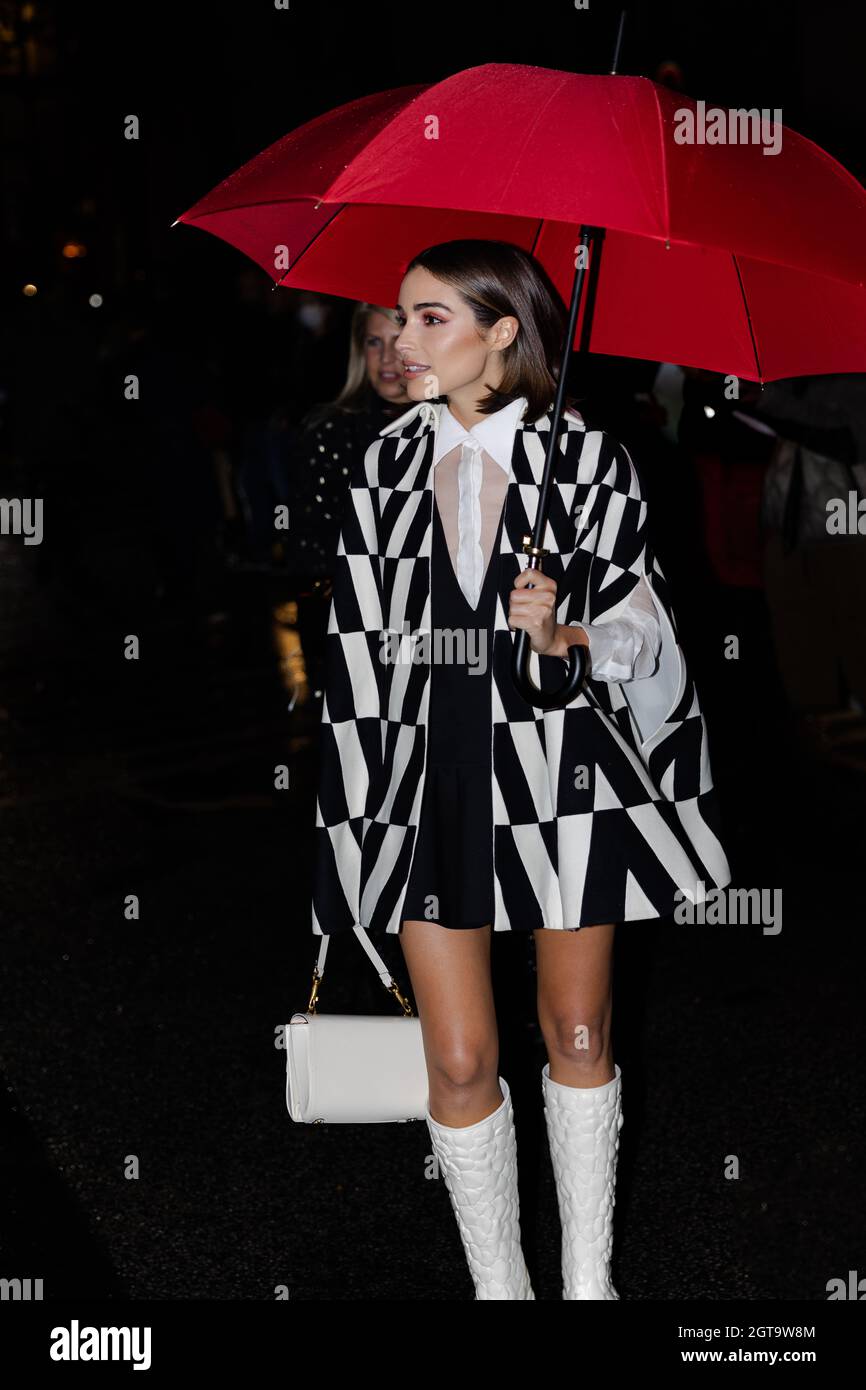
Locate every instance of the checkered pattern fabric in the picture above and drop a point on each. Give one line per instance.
(603, 811)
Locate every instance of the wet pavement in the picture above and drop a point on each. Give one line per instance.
(147, 1151)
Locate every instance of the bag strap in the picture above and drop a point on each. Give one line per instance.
(381, 969)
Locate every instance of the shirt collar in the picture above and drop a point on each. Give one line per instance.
(495, 433)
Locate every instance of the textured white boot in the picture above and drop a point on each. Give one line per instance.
(583, 1125)
(479, 1165)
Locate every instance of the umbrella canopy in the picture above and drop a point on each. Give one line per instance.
(723, 256)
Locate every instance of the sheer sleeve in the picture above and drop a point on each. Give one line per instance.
(627, 647)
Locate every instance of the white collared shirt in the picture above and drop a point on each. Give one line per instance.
(470, 480)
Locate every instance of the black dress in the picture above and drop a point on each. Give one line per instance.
(451, 879)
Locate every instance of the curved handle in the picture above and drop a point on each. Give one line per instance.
(544, 699)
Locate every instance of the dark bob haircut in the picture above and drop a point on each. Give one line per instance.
(496, 279)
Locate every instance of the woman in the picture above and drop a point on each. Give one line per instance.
(448, 807)
(331, 439)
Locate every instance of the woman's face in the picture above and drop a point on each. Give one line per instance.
(440, 335)
(384, 368)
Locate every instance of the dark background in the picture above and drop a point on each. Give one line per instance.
(155, 1037)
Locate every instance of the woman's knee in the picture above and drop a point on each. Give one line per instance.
(459, 1066)
(580, 1037)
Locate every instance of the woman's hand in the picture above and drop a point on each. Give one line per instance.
(534, 611)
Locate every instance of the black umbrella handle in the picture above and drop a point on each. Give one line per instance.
(525, 685)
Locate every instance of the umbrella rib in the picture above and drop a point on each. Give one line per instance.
(664, 159)
(748, 316)
(313, 239)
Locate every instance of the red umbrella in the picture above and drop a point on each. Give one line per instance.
(726, 256)
(716, 256)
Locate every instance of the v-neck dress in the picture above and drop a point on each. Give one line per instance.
(451, 878)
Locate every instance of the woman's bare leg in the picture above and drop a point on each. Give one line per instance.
(575, 1002)
(450, 973)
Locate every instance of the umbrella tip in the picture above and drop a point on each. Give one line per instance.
(175, 222)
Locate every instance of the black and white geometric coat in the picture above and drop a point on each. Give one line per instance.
(603, 811)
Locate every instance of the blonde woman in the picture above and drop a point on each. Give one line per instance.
(332, 439)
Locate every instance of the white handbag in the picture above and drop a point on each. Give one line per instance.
(355, 1068)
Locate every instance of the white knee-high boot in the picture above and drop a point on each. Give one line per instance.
(583, 1125)
(479, 1165)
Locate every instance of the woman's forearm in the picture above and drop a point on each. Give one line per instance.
(567, 635)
